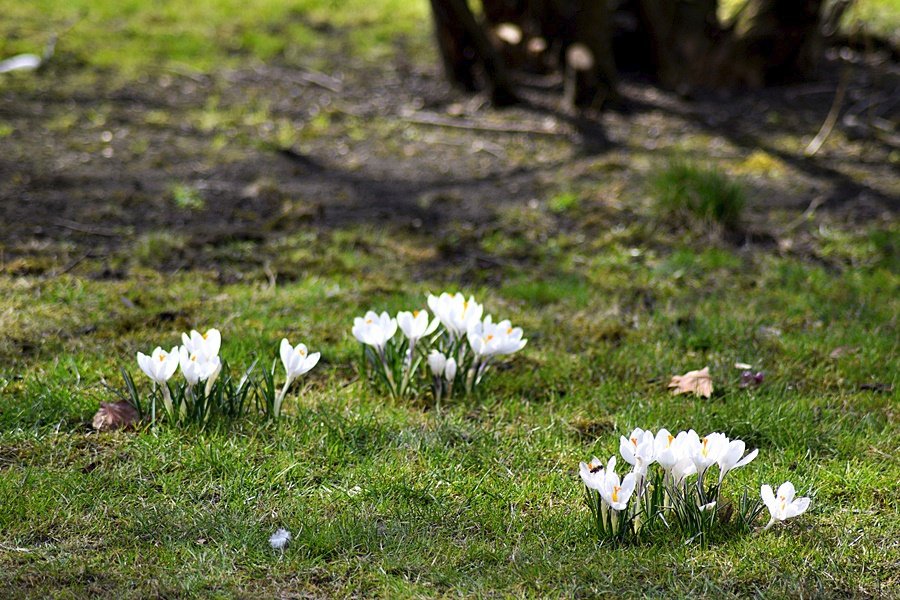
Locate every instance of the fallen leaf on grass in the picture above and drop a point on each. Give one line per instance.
(114, 415)
(698, 383)
(841, 351)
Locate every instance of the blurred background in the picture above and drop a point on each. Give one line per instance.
(236, 136)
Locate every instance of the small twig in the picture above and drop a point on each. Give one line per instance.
(322, 80)
(436, 121)
(814, 204)
(72, 264)
(81, 228)
(832, 117)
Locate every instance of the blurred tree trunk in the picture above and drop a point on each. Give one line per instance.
(464, 46)
(682, 43)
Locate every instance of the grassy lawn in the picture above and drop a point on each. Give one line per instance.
(617, 281)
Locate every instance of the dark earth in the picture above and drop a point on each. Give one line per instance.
(254, 155)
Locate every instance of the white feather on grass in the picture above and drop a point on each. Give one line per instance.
(279, 539)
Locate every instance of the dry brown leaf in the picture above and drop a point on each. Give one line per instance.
(114, 415)
(693, 382)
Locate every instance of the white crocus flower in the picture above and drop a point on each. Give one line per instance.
(197, 367)
(614, 492)
(450, 369)
(488, 339)
(638, 450)
(784, 506)
(706, 451)
(160, 366)
(374, 329)
(455, 312)
(203, 344)
(437, 362)
(297, 361)
(415, 325)
(734, 458)
(668, 449)
(592, 473)
(683, 469)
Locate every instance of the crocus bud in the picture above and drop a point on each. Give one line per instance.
(437, 362)
(450, 369)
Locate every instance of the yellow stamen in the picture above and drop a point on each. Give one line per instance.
(615, 494)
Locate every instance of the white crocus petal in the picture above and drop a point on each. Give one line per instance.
(203, 344)
(706, 451)
(734, 458)
(683, 469)
(592, 473)
(668, 449)
(414, 324)
(188, 363)
(450, 369)
(437, 362)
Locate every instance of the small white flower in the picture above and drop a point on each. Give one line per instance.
(784, 506)
(160, 365)
(279, 539)
(437, 362)
(450, 369)
(297, 360)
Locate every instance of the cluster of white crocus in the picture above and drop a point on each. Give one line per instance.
(198, 358)
(670, 492)
(464, 347)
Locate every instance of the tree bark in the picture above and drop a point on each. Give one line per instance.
(464, 46)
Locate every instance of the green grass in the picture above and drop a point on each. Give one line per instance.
(134, 36)
(386, 499)
(686, 192)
